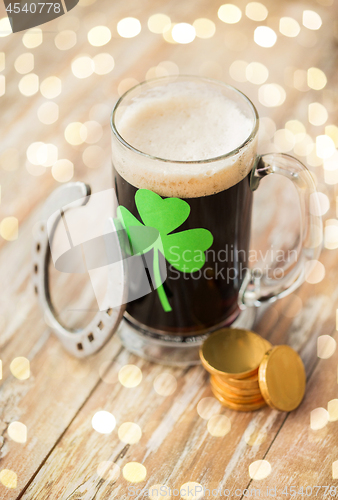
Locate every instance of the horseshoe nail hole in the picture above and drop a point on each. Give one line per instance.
(80, 346)
(35, 268)
(100, 326)
(90, 337)
(36, 290)
(38, 247)
(109, 311)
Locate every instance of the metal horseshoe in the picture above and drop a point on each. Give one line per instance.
(86, 341)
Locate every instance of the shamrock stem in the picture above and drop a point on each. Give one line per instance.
(158, 281)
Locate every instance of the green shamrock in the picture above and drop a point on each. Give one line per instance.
(183, 250)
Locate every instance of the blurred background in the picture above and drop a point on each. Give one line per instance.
(58, 85)
(59, 82)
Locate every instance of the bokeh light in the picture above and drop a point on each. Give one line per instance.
(168, 33)
(265, 36)
(271, 95)
(99, 36)
(29, 84)
(219, 425)
(158, 23)
(229, 13)
(326, 346)
(331, 234)
(316, 78)
(183, 33)
(83, 67)
(289, 27)
(8, 478)
(260, 469)
(51, 87)
(91, 131)
(5, 27)
(256, 11)
(332, 409)
(319, 417)
(32, 38)
(48, 113)
(314, 272)
(257, 73)
(335, 470)
(130, 376)
(317, 114)
(9, 228)
(129, 433)
(165, 384)
(191, 491)
(103, 422)
(75, 134)
(17, 431)
(237, 70)
(24, 63)
(311, 20)
(208, 407)
(103, 63)
(20, 367)
(65, 40)
(324, 146)
(63, 170)
(204, 28)
(134, 472)
(332, 131)
(129, 27)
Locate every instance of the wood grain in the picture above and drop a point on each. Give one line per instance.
(58, 401)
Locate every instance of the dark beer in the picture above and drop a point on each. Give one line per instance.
(207, 297)
(185, 124)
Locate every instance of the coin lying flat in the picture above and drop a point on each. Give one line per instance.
(234, 353)
(240, 391)
(248, 383)
(282, 378)
(236, 398)
(238, 406)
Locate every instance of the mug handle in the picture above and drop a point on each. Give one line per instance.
(259, 287)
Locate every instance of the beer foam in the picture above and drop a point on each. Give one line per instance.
(184, 121)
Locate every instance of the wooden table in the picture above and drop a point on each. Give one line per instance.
(61, 456)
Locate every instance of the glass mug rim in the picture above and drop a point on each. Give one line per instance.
(212, 81)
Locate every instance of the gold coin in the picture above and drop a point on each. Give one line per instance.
(240, 391)
(234, 353)
(238, 406)
(236, 398)
(249, 382)
(282, 378)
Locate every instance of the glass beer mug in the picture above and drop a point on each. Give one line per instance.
(185, 168)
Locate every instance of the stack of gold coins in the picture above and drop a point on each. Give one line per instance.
(247, 372)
